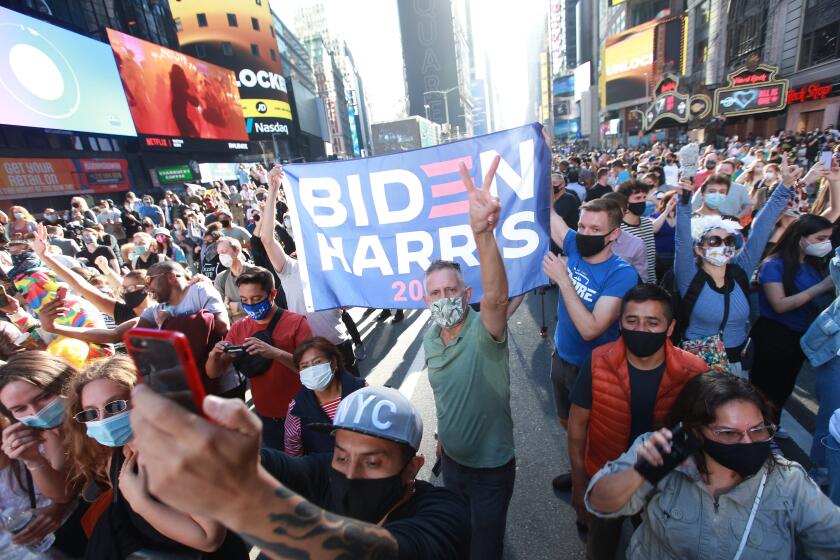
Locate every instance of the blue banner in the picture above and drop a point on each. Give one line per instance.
(367, 229)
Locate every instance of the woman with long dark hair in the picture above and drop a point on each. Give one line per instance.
(790, 278)
(732, 498)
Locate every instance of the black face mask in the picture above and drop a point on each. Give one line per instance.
(637, 208)
(642, 343)
(133, 299)
(588, 245)
(711, 165)
(745, 459)
(225, 223)
(365, 499)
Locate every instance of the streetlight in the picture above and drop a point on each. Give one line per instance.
(445, 95)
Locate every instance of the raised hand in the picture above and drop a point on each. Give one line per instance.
(815, 173)
(789, 172)
(275, 178)
(40, 241)
(484, 207)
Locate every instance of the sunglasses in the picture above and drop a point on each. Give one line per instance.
(91, 414)
(717, 241)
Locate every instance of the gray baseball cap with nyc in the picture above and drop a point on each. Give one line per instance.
(381, 412)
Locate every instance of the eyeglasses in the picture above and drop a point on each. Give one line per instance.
(717, 241)
(91, 414)
(150, 279)
(755, 435)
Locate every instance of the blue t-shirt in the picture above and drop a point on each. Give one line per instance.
(665, 238)
(772, 271)
(613, 277)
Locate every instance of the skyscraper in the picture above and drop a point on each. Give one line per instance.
(436, 56)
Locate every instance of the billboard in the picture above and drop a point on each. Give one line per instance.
(395, 136)
(35, 178)
(240, 36)
(53, 78)
(428, 41)
(751, 90)
(174, 95)
(628, 63)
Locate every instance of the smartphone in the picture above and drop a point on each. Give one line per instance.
(825, 159)
(683, 444)
(61, 293)
(165, 364)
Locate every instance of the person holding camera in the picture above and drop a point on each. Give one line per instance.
(624, 390)
(726, 495)
(362, 501)
(261, 347)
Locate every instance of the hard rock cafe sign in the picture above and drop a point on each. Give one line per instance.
(671, 107)
(752, 89)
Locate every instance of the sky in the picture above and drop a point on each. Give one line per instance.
(506, 30)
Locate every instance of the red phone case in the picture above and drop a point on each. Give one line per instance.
(181, 347)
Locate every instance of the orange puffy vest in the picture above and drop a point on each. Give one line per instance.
(609, 420)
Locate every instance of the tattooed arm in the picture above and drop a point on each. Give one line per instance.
(288, 526)
(202, 468)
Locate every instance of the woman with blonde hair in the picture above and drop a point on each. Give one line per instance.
(21, 223)
(146, 252)
(99, 435)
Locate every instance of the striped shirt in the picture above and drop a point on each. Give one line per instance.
(644, 231)
(293, 441)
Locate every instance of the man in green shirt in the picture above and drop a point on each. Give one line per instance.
(467, 358)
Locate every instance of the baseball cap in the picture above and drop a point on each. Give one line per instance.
(161, 231)
(380, 412)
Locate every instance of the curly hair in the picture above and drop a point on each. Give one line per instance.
(90, 458)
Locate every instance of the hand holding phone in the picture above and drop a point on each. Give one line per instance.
(825, 160)
(165, 363)
(660, 454)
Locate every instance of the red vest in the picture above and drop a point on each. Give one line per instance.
(609, 421)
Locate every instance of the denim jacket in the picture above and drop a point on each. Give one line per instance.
(821, 341)
(681, 521)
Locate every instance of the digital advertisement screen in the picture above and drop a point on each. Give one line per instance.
(628, 64)
(240, 36)
(172, 94)
(33, 178)
(53, 78)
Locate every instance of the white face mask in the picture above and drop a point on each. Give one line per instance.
(770, 175)
(818, 249)
(719, 256)
(225, 260)
(317, 377)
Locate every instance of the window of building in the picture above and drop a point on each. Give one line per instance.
(227, 48)
(255, 50)
(200, 51)
(746, 32)
(273, 55)
(820, 27)
(255, 23)
(202, 19)
(232, 20)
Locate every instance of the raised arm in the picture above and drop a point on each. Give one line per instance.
(684, 266)
(90, 335)
(103, 302)
(663, 217)
(484, 216)
(196, 466)
(268, 221)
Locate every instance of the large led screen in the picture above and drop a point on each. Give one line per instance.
(628, 64)
(172, 94)
(53, 78)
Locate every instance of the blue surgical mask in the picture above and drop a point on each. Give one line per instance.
(140, 249)
(317, 377)
(714, 200)
(113, 431)
(47, 418)
(258, 311)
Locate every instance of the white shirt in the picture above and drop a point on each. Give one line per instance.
(672, 174)
(323, 323)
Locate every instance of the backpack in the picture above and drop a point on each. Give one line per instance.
(684, 305)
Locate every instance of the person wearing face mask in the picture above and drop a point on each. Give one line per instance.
(765, 183)
(229, 229)
(99, 442)
(167, 247)
(712, 276)
(731, 499)
(274, 387)
(325, 385)
(709, 164)
(790, 278)
(591, 281)
(134, 296)
(467, 357)
(624, 390)
(635, 223)
(362, 501)
(711, 196)
(93, 250)
(146, 252)
(21, 224)
(230, 257)
(718, 194)
(148, 209)
(68, 247)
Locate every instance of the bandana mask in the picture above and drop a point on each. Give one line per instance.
(448, 312)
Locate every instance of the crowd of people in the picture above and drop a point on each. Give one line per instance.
(692, 282)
